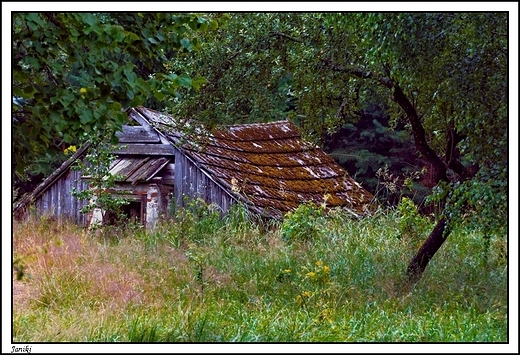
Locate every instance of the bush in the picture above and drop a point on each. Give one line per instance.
(305, 223)
(411, 223)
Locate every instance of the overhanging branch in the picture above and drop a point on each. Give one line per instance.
(402, 100)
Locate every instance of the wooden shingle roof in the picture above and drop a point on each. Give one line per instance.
(268, 166)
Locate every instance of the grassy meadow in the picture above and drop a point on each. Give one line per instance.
(203, 278)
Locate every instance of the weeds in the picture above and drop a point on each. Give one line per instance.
(203, 278)
(412, 225)
(305, 223)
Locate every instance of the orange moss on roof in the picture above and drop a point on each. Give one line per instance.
(270, 165)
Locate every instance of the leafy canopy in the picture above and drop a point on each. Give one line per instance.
(74, 73)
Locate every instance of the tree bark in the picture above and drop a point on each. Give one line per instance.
(419, 135)
(427, 250)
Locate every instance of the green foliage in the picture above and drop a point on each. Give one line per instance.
(101, 195)
(303, 224)
(74, 72)
(198, 220)
(411, 224)
(239, 219)
(471, 201)
(324, 71)
(198, 257)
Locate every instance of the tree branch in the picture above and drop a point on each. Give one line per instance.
(361, 73)
(339, 113)
(419, 135)
(286, 36)
(402, 100)
(52, 19)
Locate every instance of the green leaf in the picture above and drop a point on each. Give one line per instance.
(18, 92)
(56, 67)
(35, 17)
(39, 111)
(130, 37)
(202, 26)
(91, 20)
(66, 99)
(28, 90)
(185, 42)
(86, 117)
(74, 32)
(193, 24)
(33, 62)
(159, 95)
(160, 36)
(56, 117)
(184, 80)
(198, 82)
(118, 33)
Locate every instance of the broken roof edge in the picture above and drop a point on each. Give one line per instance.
(173, 132)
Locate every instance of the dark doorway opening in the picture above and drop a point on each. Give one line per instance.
(133, 211)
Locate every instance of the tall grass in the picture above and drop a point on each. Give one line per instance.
(203, 278)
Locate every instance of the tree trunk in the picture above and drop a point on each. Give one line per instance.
(423, 256)
(439, 234)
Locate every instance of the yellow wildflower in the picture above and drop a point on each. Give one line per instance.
(311, 274)
(307, 294)
(71, 149)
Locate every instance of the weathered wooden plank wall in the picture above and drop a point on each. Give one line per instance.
(58, 199)
(191, 183)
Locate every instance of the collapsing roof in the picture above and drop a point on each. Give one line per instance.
(136, 169)
(268, 166)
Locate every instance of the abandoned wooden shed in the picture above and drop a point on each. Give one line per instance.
(161, 164)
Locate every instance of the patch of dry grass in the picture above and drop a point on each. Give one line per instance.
(66, 269)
